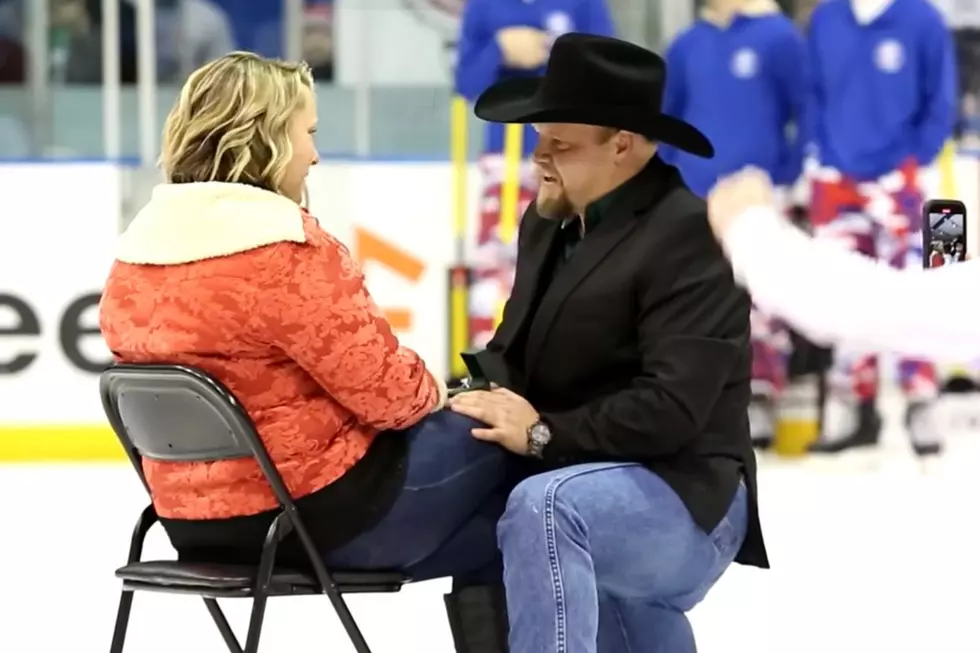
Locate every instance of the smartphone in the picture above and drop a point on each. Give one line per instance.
(943, 233)
(944, 237)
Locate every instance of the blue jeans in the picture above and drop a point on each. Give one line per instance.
(605, 558)
(444, 521)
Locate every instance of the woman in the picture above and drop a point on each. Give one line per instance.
(824, 291)
(223, 270)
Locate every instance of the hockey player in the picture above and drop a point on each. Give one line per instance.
(882, 101)
(738, 74)
(502, 39)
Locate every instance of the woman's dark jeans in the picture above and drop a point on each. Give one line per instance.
(444, 522)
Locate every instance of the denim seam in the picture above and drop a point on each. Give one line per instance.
(556, 579)
(622, 627)
(551, 538)
(723, 525)
(708, 582)
(726, 522)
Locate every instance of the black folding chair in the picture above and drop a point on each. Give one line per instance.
(173, 413)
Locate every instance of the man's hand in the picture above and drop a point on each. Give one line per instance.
(508, 415)
(524, 47)
(734, 195)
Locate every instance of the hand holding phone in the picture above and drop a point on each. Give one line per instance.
(944, 233)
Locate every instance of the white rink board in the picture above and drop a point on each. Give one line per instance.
(406, 207)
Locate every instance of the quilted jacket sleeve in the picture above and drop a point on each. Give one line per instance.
(315, 307)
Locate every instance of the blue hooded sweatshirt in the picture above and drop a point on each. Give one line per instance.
(881, 92)
(480, 61)
(741, 81)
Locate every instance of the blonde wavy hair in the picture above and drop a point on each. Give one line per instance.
(231, 121)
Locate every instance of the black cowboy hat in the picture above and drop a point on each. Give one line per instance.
(595, 80)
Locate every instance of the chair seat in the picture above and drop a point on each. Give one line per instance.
(164, 575)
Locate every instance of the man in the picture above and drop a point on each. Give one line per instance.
(623, 361)
(736, 73)
(748, 101)
(505, 39)
(882, 101)
(958, 254)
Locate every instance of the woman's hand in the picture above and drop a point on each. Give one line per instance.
(733, 195)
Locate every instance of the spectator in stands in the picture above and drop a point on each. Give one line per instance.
(318, 25)
(189, 34)
(13, 62)
(225, 271)
(12, 19)
(317, 37)
(76, 41)
(257, 26)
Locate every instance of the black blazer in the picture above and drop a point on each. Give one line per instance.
(638, 348)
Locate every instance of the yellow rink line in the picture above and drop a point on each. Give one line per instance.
(60, 443)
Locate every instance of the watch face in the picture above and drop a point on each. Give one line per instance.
(540, 433)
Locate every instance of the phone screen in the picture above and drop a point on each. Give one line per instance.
(945, 233)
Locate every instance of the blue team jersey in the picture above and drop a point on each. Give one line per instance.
(880, 93)
(480, 62)
(743, 84)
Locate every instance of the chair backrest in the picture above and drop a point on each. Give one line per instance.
(181, 414)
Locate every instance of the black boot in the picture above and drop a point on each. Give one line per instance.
(922, 429)
(864, 435)
(478, 619)
(762, 424)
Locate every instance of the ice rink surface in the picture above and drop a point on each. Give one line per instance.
(870, 554)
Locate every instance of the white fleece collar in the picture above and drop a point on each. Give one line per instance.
(753, 8)
(183, 223)
(867, 11)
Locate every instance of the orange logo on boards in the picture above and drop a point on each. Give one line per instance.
(369, 247)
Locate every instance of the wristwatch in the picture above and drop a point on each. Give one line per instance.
(538, 437)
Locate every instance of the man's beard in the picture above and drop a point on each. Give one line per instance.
(554, 207)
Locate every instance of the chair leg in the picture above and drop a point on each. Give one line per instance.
(353, 630)
(255, 624)
(122, 621)
(224, 628)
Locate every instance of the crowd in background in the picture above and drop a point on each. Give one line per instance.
(187, 34)
(408, 117)
(190, 32)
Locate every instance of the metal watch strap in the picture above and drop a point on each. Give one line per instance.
(538, 437)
